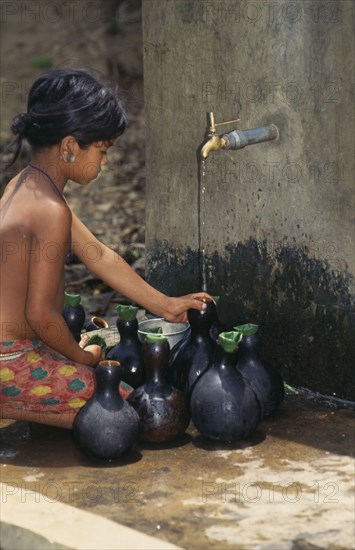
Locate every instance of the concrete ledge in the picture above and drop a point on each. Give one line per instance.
(17, 538)
(30, 521)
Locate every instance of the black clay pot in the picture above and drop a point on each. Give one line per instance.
(128, 352)
(194, 357)
(265, 380)
(74, 314)
(107, 426)
(223, 404)
(162, 409)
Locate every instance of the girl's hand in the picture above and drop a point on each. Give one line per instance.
(96, 353)
(177, 307)
(84, 338)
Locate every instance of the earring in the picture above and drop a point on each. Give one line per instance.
(70, 157)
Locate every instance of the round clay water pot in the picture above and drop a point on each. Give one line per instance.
(107, 426)
(162, 409)
(128, 351)
(74, 314)
(223, 404)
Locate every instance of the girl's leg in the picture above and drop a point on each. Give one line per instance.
(60, 420)
(45, 387)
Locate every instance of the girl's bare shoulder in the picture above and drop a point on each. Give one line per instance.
(51, 215)
(36, 206)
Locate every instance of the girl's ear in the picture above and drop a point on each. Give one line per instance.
(68, 148)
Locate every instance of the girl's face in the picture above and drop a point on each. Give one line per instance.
(88, 162)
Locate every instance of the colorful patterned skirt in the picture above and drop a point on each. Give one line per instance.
(35, 378)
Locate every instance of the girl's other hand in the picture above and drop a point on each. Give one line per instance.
(178, 307)
(96, 353)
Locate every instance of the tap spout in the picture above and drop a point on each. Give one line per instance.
(213, 144)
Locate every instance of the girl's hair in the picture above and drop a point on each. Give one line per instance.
(67, 102)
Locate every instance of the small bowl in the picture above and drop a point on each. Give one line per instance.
(174, 332)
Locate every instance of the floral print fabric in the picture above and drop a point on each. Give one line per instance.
(34, 377)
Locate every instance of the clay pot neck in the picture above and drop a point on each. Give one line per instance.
(127, 329)
(108, 378)
(223, 359)
(156, 356)
(250, 346)
(200, 332)
(202, 320)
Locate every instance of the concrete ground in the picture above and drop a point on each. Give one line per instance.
(290, 487)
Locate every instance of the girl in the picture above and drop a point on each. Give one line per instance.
(45, 375)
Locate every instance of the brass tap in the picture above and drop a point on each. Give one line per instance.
(216, 141)
(237, 139)
(213, 144)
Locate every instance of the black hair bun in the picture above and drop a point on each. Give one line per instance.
(20, 124)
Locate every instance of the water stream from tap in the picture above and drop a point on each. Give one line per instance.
(202, 225)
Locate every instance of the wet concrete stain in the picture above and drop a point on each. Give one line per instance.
(305, 307)
(297, 467)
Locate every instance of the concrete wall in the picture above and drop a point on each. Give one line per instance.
(279, 229)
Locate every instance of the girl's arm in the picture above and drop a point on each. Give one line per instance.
(114, 270)
(45, 283)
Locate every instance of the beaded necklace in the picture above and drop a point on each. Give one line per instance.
(54, 185)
